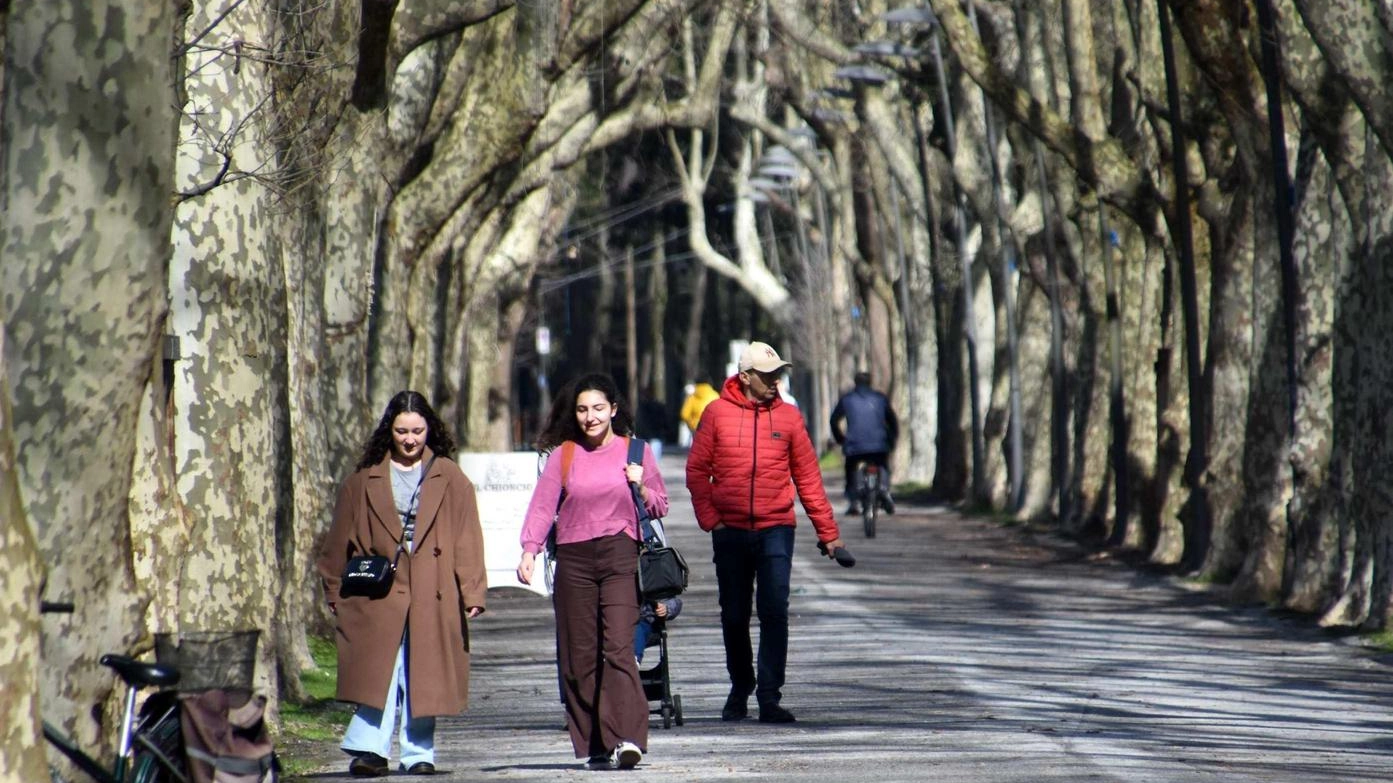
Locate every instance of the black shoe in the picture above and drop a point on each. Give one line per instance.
(368, 765)
(773, 713)
(887, 504)
(421, 768)
(737, 707)
(852, 510)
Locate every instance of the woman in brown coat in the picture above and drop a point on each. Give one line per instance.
(406, 652)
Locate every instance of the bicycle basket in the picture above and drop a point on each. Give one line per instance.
(210, 659)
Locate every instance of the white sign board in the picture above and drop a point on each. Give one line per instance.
(504, 483)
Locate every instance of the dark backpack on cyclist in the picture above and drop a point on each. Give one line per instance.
(225, 737)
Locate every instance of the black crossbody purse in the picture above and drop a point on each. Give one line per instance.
(662, 571)
(370, 576)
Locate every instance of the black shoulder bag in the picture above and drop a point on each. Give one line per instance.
(662, 572)
(370, 576)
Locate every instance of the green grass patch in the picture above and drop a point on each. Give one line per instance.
(321, 681)
(1381, 640)
(307, 727)
(1003, 518)
(913, 492)
(314, 722)
(831, 460)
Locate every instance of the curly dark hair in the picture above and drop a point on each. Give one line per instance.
(561, 424)
(380, 441)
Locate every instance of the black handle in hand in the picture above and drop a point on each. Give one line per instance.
(55, 607)
(843, 556)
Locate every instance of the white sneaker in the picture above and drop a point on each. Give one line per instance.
(627, 755)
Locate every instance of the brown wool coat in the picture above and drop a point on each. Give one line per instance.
(443, 575)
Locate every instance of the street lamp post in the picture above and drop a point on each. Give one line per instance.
(1014, 449)
(775, 175)
(925, 17)
(859, 73)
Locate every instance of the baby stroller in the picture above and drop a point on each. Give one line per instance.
(657, 682)
(652, 632)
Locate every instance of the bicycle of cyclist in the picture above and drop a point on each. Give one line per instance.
(151, 746)
(864, 423)
(869, 494)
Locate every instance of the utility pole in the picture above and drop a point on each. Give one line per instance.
(630, 328)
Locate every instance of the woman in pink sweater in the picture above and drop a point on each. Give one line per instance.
(585, 491)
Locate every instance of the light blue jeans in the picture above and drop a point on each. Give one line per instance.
(370, 730)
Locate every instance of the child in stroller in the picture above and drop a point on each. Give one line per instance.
(651, 631)
(650, 615)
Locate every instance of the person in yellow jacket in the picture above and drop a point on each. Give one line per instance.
(698, 397)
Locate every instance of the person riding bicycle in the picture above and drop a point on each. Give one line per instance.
(869, 436)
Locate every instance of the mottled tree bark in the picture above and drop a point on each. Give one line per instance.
(87, 171)
(228, 315)
(21, 746)
(1349, 35)
(1329, 182)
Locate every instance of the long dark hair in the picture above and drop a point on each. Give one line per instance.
(380, 441)
(561, 423)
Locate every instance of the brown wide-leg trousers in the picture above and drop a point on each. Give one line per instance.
(596, 601)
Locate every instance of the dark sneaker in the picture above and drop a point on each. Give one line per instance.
(737, 707)
(852, 510)
(421, 768)
(773, 713)
(600, 762)
(887, 504)
(368, 765)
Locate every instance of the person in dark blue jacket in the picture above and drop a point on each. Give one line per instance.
(868, 436)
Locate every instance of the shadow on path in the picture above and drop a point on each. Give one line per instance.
(959, 650)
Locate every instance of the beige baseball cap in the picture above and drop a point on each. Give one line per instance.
(761, 357)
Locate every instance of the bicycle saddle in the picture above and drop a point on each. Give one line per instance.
(139, 673)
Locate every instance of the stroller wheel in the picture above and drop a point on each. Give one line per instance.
(677, 708)
(667, 716)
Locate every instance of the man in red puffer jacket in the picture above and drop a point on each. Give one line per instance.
(750, 451)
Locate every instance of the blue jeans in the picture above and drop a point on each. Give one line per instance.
(370, 730)
(752, 568)
(642, 633)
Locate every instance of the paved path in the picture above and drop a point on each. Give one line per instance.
(959, 650)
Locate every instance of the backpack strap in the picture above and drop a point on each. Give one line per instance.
(646, 533)
(635, 451)
(568, 454)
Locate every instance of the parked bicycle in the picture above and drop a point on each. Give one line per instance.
(151, 749)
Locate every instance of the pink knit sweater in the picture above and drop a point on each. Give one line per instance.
(598, 501)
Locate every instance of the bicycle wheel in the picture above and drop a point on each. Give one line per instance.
(868, 503)
(157, 755)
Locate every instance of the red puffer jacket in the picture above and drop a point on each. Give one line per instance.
(741, 461)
